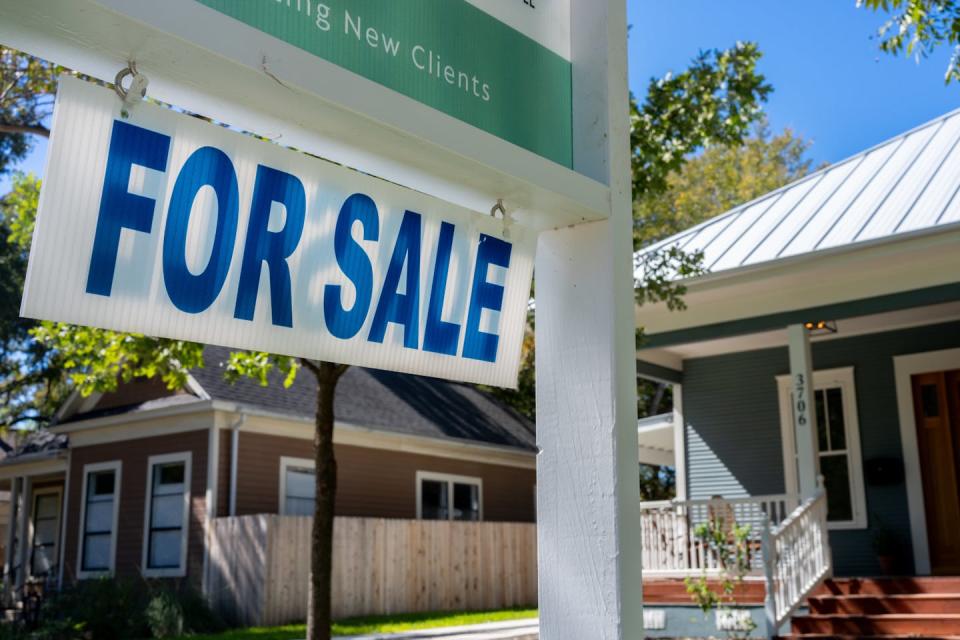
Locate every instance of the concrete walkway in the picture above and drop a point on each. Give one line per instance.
(512, 630)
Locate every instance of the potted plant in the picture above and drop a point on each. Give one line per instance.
(886, 546)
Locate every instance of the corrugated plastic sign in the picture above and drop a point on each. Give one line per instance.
(167, 225)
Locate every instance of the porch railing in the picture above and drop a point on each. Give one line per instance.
(671, 547)
(796, 560)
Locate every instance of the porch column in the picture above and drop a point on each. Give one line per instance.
(804, 409)
(12, 525)
(24, 530)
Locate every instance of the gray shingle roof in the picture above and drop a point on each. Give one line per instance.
(381, 400)
(906, 184)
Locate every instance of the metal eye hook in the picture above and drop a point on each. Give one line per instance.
(137, 90)
(503, 215)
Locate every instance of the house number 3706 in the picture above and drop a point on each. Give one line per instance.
(799, 395)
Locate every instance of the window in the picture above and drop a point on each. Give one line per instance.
(167, 515)
(445, 497)
(46, 532)
(101, 491)
(838, 445)
(297, 486)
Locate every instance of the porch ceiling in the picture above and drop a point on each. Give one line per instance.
(672, 356)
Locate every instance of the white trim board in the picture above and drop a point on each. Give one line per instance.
(450, 479)
(186, 457)
(843, 378)
(117, 467)
(31, 534)
(904, 367)
(285, 463)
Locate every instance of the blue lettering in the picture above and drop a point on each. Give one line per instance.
(355, 264)
(440, 336)
(478, 345)
(194, 293)
(396, 307)
(272, 247)
(119, 209)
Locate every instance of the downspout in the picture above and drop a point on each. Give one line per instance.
(234, 454)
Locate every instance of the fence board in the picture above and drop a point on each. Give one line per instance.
(260, 567)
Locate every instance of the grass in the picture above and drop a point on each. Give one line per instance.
(376, 624)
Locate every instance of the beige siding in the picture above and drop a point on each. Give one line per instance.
(376, 482)
(134, 455)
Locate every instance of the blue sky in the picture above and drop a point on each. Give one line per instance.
(831, 83)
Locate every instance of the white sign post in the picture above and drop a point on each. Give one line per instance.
(211, 57)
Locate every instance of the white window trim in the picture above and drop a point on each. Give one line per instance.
(905, 367)
(285, 463)
(844, 378)
(450, 479)
(58, 491)
(186, 458)
(117, 467)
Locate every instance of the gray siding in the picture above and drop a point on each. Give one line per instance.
(733, 425)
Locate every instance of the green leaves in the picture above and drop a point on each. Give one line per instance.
(27, 85)
(258, 365)
(918, 27)
(713, 102)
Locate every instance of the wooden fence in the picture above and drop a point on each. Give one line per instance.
(259, 567)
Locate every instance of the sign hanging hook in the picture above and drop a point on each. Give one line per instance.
(133, 94)
(498, 206)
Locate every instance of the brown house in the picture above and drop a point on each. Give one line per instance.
(126, 483)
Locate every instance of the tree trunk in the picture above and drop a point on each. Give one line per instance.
(321, 551)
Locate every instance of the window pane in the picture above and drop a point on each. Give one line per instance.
(466, 502)
(433, 500)
(836, 476)
(99, 516)
(96, 552)
(298, 506)
(930, 400)
(838, 433)
(47, 506)
(165, 549)
(101, 483)
(821, 422)
(45, 532)
(169, 473)
(301, 483)
(167, 511)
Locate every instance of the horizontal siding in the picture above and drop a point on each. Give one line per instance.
(133, 478)
(376, 482)
(733, 425)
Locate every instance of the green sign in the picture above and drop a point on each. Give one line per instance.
(446, 54)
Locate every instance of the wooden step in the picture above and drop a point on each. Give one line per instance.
(890, 586)
(921, 603)
(884, 624)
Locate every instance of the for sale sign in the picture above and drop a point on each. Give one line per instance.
(165, 224)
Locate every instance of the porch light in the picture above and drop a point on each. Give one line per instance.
(821, 327)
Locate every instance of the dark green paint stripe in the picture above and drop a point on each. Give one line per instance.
(838, 311)
(658, 373)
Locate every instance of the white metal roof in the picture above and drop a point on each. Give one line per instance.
(905, 184)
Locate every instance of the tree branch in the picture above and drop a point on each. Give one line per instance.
(34, 129)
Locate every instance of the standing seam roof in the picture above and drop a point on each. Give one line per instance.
(904, 184)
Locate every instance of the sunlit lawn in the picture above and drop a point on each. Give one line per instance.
(376, 624)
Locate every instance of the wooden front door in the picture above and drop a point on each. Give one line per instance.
(936, 401)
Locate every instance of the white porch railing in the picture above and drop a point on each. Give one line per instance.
(671, 547)
(796, 560)
(787, 544)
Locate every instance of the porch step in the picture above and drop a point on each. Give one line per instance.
(912, 603)
(882, 608)
(890, 586)
(915, 625)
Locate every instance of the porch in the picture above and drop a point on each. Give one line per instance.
(777, 543)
